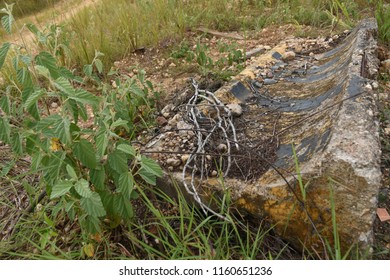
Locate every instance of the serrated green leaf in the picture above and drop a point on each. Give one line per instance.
(82, 111)
(71, 172)
(64, 86)
(60, 189)
(36, 160)
(87, 69)
(7, 22)
(26, 59)
(126, 184)
(101, 143)
(98, 178)
(126, 149)
(99, 65)
(32, 28)
(148, 177)
(23, 76)
(93, 205)
(31, 143)
(85, 97)
(47, 60)
(5, 104)
(52, 166)
(27, 91)
(5, 130)
(33, 98)
(84, 152)
(151, 166)
(16, 143)
(69, 206)
(82, 188)
(117, 160)
(42, 70)
(55, 126)
(3, 53)
(91, 224)
(66, 73)
(124, 207)
(6, 168)
(108, 202)
(118, 123)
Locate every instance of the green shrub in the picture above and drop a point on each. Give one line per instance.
(92, 174)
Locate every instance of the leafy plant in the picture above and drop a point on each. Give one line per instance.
(91, 173)
(382, 14)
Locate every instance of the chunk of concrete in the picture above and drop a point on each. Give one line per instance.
(307, 144)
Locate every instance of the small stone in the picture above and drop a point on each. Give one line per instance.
(375, 85)
(172, 65)
(214, 173)
(173, 162)
(267, 48)
(270, 81)
(298, 48)
(167, 109)
(183, 127)
(368, 86)
(222, 148)
(235, 109)
(287, 56)
(257, 84)
(184, 158)
(161, 121)
(54, 105)
(387, 130)
(208, 157)
(114, 85)
(270, 74)
(277, 55)
(170, 168)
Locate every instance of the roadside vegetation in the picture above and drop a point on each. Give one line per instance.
(28, 7)
(70, 123)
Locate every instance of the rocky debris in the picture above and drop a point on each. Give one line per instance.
(386, 66)
(270, 81)
(173, 162)
(161, 121)
(288, 56)
(235, 109)
(167, 110)
(318, 102)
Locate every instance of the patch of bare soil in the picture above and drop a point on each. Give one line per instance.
(171, 75)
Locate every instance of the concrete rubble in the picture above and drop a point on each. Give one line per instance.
(317, 102)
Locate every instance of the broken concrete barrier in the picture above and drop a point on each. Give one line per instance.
(304, 146)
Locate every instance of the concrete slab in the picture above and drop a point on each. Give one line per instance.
(320, 107)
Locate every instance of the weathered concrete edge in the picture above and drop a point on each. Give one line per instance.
(355, 145)
(354, 141)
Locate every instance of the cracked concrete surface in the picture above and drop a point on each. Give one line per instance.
(321, 105)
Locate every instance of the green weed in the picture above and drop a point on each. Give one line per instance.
(92, 173)
(185, 233)
(382, 14)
